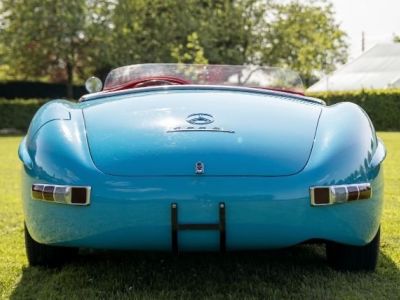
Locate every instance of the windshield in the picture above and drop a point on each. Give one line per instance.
(171, 74)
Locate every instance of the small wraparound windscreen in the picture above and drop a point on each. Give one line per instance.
(135, 76)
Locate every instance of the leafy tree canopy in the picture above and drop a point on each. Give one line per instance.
(50, 38)
(61, 40)
(304, 37)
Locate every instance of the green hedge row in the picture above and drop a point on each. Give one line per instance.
(34, 89)
(382, 106)
(18, 113)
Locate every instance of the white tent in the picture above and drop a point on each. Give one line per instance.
(377, 68)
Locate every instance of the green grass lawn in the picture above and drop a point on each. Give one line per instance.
(298, 272)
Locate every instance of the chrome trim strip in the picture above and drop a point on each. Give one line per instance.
(200, 130)
(165, 88)
(347, 193)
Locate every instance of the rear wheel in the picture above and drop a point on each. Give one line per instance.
(354, 258)
(45, 255)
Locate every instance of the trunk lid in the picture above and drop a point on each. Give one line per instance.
(150, 134)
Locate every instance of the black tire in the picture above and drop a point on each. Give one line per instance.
(45, 255)
(354, 258)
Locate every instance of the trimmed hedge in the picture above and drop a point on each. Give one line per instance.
(382, 106)
(41, 90)
(17, 114)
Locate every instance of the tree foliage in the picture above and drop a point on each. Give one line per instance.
(61, 40)
(192, 52)
(49, 38)
(304, 37)
(150, 31)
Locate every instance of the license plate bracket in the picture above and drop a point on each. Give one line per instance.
(220, 226)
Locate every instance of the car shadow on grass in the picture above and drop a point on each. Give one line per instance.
(297, 272)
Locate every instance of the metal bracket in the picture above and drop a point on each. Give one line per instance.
(221, 226)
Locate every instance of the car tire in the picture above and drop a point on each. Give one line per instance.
(354, 258)
(46, 255)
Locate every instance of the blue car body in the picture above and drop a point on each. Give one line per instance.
(261, 155)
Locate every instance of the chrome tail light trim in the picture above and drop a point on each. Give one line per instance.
(328, 195)
(72, 195)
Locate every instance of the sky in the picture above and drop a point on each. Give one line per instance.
(379, 19)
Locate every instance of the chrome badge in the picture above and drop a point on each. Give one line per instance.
(200, 119)
(199, 168)
(200, 122)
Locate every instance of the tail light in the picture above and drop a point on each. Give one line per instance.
(327, 195)
(75, 195)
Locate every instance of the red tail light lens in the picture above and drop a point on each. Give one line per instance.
(321, 195)
(79, 195)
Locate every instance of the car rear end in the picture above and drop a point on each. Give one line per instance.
(246, 180)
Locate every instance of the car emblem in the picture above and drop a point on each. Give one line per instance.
(200, 119)
(199, 168)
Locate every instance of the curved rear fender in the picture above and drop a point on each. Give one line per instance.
(51, 111)
(346, 148)
(55, 149)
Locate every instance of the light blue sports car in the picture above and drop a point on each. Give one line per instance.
(174, 157)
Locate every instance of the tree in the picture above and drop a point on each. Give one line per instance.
(66, 40)
(303, 37)
(49, 38)
(226, 30)
(146, 31)
(152, 31)
(192, 52)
